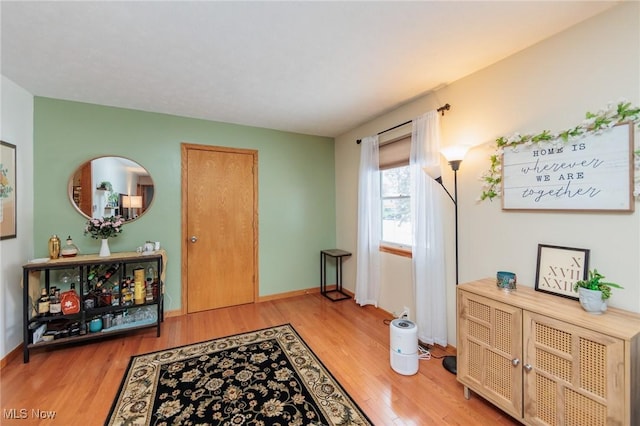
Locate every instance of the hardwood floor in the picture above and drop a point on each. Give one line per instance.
(79, 382)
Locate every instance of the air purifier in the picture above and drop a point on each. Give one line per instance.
(404, 347)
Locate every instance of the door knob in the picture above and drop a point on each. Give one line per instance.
(194, 238)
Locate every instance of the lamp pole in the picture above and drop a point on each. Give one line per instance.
(454, 155)
(455, 165)
(450, 362)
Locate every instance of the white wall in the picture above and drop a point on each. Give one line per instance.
(16, 127)
(551, 86)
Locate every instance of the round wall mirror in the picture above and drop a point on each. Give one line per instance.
(111, 186)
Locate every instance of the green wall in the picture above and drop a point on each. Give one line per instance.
(295, 185)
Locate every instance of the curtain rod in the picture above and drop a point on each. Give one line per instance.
(442, 109)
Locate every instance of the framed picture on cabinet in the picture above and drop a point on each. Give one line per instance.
(7, 191)
(558, 268)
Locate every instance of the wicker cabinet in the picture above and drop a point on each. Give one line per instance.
(490, 342)
(545, 361)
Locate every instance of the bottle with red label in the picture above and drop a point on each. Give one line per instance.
(70, 301)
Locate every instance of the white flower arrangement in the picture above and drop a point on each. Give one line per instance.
(613, 114)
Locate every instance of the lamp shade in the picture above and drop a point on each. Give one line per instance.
(455, 152)
(132, 201)
(433, 171)
(136, 201)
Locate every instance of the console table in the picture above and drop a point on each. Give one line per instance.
(337, 294)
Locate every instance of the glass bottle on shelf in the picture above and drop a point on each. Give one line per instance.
(105, 297)
(115, 294)
(69, 249)
(149, 290)
(43, 303)
(110, 271)
(55, 305)
(70, 301)
(127, 294)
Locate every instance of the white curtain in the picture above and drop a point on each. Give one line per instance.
(369, 224)
(428, 241)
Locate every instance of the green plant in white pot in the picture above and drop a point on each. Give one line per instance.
(593, 293)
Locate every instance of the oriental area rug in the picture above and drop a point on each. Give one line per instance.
(264, 377)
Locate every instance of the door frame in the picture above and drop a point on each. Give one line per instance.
(185, 147)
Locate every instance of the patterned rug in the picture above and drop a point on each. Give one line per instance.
(265, 377)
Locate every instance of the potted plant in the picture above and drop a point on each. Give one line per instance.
(113, 199)
(593, 293)
(105, 185)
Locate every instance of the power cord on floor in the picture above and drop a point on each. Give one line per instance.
(423, 353)
(422, 348)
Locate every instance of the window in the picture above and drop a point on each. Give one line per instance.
(395, 192)
(396, 206)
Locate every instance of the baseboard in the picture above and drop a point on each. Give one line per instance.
(11, 356)
(288, 294)
(285, 295)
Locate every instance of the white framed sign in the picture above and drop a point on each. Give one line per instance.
(591, 173)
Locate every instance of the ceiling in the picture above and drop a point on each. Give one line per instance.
(319, 68)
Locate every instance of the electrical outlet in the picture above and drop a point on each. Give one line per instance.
(406, 313)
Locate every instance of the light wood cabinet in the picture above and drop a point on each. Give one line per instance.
(544, 360)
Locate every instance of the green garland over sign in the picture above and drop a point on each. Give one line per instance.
(594, 123)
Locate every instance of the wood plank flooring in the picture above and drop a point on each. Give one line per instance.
(79, 382)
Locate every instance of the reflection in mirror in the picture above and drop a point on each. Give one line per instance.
(111, 186)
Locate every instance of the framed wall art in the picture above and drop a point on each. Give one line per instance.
(8, 226)
(591, 173)
(558, 268)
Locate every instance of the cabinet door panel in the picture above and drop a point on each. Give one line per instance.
(576, 377)
(490, 339)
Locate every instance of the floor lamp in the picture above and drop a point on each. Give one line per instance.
(454, 155)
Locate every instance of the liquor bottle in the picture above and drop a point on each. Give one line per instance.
(115, 295)
(150, 273)
(70, 301)
(149, 291)
(43, 303)
(105, 297)
(112, 270)
(127, 295)
(55, 305)
(91, 275)
(105, 277)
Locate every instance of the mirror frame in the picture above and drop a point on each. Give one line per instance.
(94, 186)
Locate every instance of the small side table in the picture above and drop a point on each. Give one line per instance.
(337, 294)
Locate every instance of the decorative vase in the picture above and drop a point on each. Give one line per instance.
(54, 247)
(70, 249)
(104, 248)
(591, 301)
